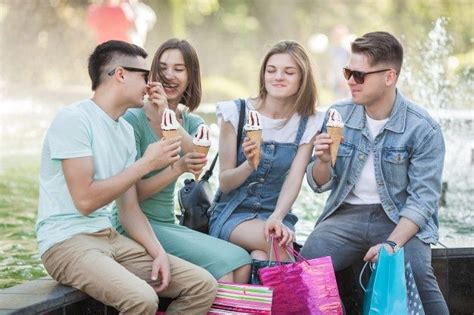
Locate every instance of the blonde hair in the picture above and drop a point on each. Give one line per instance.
(306, 97)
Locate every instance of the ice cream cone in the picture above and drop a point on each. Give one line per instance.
(169, 124)
(172, 133)
(336, 136)
(200, 149)
(255, 135)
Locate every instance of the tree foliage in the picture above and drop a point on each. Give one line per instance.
(47, 42)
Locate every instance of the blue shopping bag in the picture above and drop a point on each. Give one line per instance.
(387, 290)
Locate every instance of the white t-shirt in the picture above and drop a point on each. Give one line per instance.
(273, 129)
(79, 130)
(365, 190)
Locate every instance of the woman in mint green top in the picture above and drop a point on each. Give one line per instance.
(176, 66)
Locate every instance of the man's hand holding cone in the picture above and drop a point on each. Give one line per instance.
(335, 128)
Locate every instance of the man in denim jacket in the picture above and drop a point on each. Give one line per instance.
(386, 181)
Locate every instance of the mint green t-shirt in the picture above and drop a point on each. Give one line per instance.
(79, 130)
(160, 206)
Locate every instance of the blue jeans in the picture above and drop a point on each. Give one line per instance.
(349, 233)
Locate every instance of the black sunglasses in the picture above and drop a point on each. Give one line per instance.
(132, 69)
(359, 76)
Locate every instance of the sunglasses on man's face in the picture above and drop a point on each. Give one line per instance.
(132, 69)
(359, 76)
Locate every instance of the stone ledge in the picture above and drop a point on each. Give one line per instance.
(450, 253)
(47, 296)
(453, 268)
(38, 296)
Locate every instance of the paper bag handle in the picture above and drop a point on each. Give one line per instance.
(371, 266)
(292, 253)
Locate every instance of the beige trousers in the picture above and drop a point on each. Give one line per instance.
(114, 270)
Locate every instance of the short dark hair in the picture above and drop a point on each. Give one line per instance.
(192, 95)
(380, 47)
(103, 55)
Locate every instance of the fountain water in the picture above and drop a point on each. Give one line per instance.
(429, 79)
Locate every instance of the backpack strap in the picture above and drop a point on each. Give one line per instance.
(241, 123)
(208, 173)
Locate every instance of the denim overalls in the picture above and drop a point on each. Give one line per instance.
(258, 195)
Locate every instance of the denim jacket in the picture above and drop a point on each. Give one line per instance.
(408, 156)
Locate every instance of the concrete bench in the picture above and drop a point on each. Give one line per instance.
(45, 295)
(453, 268)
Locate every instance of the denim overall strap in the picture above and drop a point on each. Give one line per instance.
(301, 130)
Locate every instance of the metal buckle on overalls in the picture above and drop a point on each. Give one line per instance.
(251, 187)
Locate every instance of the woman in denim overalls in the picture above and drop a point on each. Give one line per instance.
(253, 204)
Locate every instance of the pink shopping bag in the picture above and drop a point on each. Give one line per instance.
(235, 298)
(303, 287)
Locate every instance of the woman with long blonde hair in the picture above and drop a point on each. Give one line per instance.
(253, 204)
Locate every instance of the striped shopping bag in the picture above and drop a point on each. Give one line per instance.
(235, 298)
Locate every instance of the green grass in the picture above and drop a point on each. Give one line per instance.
(19, 260)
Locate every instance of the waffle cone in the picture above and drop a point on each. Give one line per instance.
(168, 134)
(336, 136)
(203, 150)
(255, 135)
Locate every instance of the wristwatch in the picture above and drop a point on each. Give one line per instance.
(395, 247)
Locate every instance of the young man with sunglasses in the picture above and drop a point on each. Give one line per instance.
(386, 182)
(88, 165)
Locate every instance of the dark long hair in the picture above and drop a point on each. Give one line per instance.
(191, 97)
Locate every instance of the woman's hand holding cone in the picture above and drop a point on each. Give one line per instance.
(250, 149)
(191, 162)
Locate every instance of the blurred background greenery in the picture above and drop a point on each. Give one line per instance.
(46, 43)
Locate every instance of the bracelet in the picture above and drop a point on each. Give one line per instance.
(395, 247)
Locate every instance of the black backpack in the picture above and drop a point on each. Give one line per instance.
(195, 197)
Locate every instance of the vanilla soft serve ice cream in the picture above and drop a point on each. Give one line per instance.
(201, 138)
(334, 119)
(253, 121)
(168, 120)
(169, 124)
